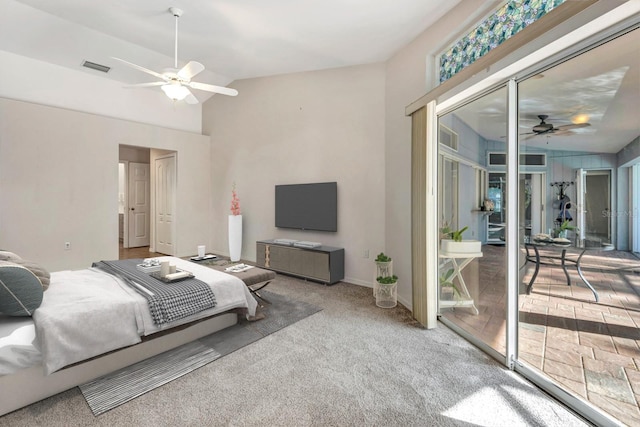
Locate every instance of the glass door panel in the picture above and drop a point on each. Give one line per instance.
(578, 298)
(472, 272)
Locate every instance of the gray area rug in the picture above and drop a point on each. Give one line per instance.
(112, 390)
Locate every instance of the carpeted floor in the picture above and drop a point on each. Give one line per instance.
(112, 390)
(350, 364)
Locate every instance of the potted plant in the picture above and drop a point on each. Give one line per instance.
(451, 241)
(446, 281)
(384, 268)
(384, 265)
(563, 229)
(387, 294)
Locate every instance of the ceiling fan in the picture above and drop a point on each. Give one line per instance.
(544, 128)
(176, 83)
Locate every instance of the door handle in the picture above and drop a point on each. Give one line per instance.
(133, 209)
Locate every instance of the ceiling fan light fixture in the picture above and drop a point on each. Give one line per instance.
(175, 83)
(175, 91)
(580, 119)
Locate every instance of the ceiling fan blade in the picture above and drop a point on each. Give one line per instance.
(563, 133)
(152, 84)
(191, 99)
(572, 126)
(212, 88)
(139, 68)
(190, 70)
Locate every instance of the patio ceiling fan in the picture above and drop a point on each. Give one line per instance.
(175, 82)
(544, 128)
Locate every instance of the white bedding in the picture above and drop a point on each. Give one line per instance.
(86, 313)
(17, 349)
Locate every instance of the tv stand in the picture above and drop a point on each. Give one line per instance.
(323, 264)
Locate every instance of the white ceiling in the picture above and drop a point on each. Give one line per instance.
(234, 39)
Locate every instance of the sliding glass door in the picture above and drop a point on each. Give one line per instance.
(472, 271)
(579, 301)
(535, 179)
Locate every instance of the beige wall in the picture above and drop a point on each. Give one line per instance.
(346, 125)
(59, 183)
(409, 74)
(301, 128)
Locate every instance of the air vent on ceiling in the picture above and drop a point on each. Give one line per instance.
(97, 67)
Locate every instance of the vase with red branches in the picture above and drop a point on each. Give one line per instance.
(235, 227)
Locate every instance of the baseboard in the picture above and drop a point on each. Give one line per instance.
(358, 282)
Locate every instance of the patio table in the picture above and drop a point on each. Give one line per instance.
(561, 252)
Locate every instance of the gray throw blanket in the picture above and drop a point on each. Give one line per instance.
(167, 301)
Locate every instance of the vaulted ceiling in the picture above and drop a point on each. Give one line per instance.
(234, 39)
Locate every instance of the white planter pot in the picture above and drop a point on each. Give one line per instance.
(463, 247)
(383, 269)
(235, 237)
(387, 295)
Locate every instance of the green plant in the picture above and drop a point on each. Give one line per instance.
(387, 280)
(566, 226)
(446, 232)
(446, 281)
(382, 258)
(457, 235)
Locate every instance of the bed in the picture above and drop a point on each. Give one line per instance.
(91, 323)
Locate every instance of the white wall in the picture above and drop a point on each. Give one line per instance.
(26, 79)
(59, 183)
(301, 128)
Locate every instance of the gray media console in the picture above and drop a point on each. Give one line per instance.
(323, 264)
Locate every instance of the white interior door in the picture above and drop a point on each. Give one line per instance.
(165, 200)
(139, 193)
(581, 187)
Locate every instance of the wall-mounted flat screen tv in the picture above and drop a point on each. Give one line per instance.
(307, 206)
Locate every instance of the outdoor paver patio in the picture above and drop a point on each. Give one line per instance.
(591, 348)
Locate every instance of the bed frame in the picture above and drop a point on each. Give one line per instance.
(31, 385)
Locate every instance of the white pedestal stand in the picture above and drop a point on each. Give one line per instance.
(235, 237)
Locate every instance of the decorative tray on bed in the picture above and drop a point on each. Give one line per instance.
(173, 277)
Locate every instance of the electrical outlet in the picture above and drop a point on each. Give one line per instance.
(365, 254)
(67, 246)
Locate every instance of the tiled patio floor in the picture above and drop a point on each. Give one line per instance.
(592, 349)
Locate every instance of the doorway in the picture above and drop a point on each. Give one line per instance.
(532, 187)
(498, 217)
(134, 201)
(634, 212)
(597, 201)
(165, 203)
